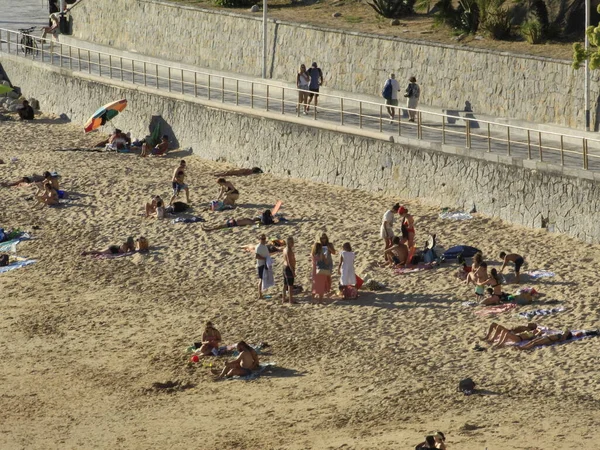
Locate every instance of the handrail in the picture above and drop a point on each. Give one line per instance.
(367, 114)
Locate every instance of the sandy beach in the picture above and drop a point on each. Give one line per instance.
(84, 341)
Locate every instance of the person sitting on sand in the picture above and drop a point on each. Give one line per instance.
(156, 206)
(440, 440)
(47, 195)
(239, 172)
(495, 294)
(26, 111)
(265, 219)
(397, 254)
(228, 192)
(210, 339)
(515, 258)
(244, 364)
(429, 443)
(51, 179)
(547, 340)
(159, 150)
(119, 140)
(127, 247)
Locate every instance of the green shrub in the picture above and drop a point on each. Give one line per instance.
(494, 18)
(468, 17)
(235, 3)
(531, 30)
(392, 9)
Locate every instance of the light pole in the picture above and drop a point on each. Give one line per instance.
(264, 50)
(587, 68)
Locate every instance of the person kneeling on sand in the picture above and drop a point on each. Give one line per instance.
(210, 339)
(228, 191)
(515, 258)
(397, 254)
(244, 364)
(265, 219)
(159, 150)
(47, 195)
(126, 247)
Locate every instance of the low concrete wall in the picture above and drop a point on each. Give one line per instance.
(541, 90)
(329, 154)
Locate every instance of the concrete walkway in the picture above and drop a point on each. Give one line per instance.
(251, 93)
(15, 14)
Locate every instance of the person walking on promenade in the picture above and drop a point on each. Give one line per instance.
(413, 92)
(387, 225)
(390, 93)
(302, 83)
(316, 80)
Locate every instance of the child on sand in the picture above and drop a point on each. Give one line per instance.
(515, 258)
(346, 267)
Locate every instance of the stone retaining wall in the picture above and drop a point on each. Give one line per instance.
(290, 148)
(535, 89)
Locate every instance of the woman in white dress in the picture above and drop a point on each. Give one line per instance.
(346, 267)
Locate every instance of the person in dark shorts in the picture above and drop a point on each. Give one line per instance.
(515, 258)
(261, 254)
(26, 111)
(316, 80)
(289, 270)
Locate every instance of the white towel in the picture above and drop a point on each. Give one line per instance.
(267, 278)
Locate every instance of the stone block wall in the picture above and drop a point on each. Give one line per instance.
(535, 89)
(510, 192)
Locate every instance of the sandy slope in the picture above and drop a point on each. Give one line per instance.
(83, 341)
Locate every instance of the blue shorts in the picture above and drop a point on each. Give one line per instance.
(177, 188)
(259, 271)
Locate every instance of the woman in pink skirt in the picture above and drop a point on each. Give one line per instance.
(319, 272)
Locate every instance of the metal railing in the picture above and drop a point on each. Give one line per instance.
(454, 129)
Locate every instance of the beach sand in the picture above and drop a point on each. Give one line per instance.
(83, 341)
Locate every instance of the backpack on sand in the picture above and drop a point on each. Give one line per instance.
(466, 386)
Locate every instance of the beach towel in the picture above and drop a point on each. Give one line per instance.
(11, 246)
(419, 268)
(112, 255)
(535, 274)
(268, 280)
(255, 373)
(17, 265)
(465, 250)
(193, 219)
(455, 216)
(496, 309)
(539, 312)
(577, 336)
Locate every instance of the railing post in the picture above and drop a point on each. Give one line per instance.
(70, 58)
(562, 151)
(133, 71)
(145, 80)
(209, 86)
(251, 94)
(341, 111)
(61, 55)
(156, 75)
(182, 86)
(78, 57)
(529, 144)
(223, 90)
(399, 111)
(419, 128)
(444, 130)
(110, 65)
(489, 138)
(237, 92)
(282, 100)
(89, 59)
(99, 65)
(380, 118)
(508, 139)
(359, 114)
(540, 145)
(585, 153)
(169, 77)
(195, 84)
(267, 97)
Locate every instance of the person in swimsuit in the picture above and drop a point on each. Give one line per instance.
(495, 294)
(23, 180)
(289, 270)
(243, 365)
(151, 207)
(547, 340)
(440, 440)
(408, 226)
(228, 191)
(210, 339)
(178, 182)
(328, 251)
(496, 330)
(480, 279)
(159, 150)
(302, 83)
(126, 247)
(239, 172)
(515, 258)
(397, 254)
(50, 179)
(386, 231)
(47, 196)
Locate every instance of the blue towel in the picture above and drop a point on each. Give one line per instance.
(255, 373)
(17, 265)
(192, 219)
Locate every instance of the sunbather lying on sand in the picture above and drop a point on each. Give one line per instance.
(238, 172)
(501, 336)
(265, 219)
(126, 247)
(23, 180)
(210, 339)
(496, 330)
(547, 340)
(244, 364)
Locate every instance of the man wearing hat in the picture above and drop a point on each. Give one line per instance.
(316, 80)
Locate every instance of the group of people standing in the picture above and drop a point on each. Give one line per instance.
(322, 268)
(398, 250)
(412, 95)
(308, 82)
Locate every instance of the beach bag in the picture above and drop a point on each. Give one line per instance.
(3, 260)
(349, 292)
(142, 244)
(179, 207)
(466, 386)
(216, 205)
(387, 90)
(323, 268)
(266, 218)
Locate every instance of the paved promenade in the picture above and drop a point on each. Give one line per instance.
(249, 92)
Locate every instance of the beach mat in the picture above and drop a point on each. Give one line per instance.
(455, 216)
(17, 265)
(540, 312)
(255, 373)
(465, 250)
(535, 274)
(11, 246)
(495, 309)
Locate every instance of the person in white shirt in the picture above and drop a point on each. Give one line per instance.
(261, 252)
(392, 100)
(387, 225)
